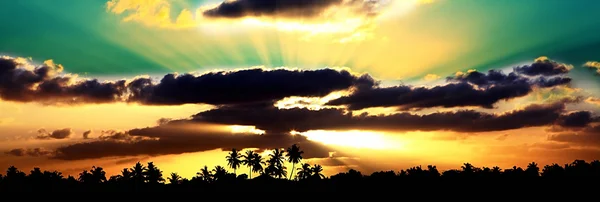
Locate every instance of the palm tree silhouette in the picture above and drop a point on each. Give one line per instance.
(233, 160)
(294, 155)
(248, 160)
(316, 172)
(137, 173)
(205, 174)
(98, 173)
(175, 178)
(219, 173)
(276, 167)
(94, 176)
(304, 172)
(257, 163)
(153, 174)
(468, 168)
(126, 174)
(533, 169)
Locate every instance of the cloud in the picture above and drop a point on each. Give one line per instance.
(589, 136)
(593, 100)
(178, 138)
(431, 77)
(576, 119)
(341, 21)
(163, 121)
(466, 89)
(502, 137)
(35, 152)
(21, 81)
(86, 134)
(581, 128)
(593, 65)
(293, 8)
(243, 86)
(274, 120)
(57, 134)
(544, 66)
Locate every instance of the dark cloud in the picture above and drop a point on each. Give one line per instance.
(543, 66)
(576, 119)
(46, 84)
(121, 136)
(580, 128)
(242, 8)
(86, 134)
(450, 95)
(57, 134)
(163, 121)
(469, 89)
(178, 138)
(43, 84)
(35, 152)
(243, 86)
(274, 120)
(589, 136)
(293, 8)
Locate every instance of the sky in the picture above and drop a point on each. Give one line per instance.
(370, 85)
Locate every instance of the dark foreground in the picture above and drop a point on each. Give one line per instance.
(579, 178)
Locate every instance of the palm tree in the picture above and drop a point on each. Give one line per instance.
(248, 160)
(153, 174)
(533, 169)
(219, 173)
(94, 176)
(205, 174)
(257, 163)
(316, 172)
(468, 168)
(294, 155)
(233, 160)
(138, 173)
(304, 172)
(276, 167)
(98, 173)
(175, 178)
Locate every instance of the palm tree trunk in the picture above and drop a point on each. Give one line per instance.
(250, 173)
(292, 173)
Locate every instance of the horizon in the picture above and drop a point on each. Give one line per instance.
(364, 85)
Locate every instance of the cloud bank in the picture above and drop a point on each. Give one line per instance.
(247, 97)
(23, 82)
(465, 89)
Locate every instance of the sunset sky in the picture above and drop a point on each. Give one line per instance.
(364, 84)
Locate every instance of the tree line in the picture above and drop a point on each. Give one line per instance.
(273, 174)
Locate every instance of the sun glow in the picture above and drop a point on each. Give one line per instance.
(353, 138)
(246, 129)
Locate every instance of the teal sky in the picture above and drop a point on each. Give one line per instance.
(87, 39)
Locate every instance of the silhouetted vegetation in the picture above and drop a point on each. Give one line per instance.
(307, 178)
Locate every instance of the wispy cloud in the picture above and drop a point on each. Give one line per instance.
(593, 65)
